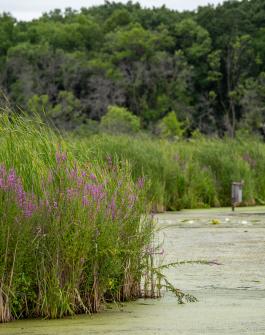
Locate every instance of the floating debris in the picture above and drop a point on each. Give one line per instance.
(215, 221)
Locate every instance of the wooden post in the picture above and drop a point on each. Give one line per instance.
(236, 194)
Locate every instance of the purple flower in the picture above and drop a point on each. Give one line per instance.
(132, 199)
(71, 192)
(29, 208)
(2, 171)
(73, 173)
(85, 201)
(60, 157)
(2, 183)
(80, 181)
(12, 178)
(96, 191)
(140, 182)
(92, 176)
(21, 195)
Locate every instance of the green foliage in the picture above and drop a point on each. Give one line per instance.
(6, 33)
(205, 64)
(194, 40)
(131, 43)
(171, 127)
(119, 18)
(74, 231)
(188, 174)
(86, 249)
(119, 120)
(67, 108)
(38, 104)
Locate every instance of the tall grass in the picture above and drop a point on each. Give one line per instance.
(74, 231)
(188, 174)
(74, 225)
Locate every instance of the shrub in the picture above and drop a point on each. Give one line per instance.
(171, 127)
(119, 120)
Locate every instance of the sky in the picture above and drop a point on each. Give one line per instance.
(29, 9)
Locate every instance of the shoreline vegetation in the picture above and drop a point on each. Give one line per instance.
(75, 224)
(162, 111)
(191, 173)
(74, 233)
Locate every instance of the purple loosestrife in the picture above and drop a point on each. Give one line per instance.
(71, 193)
(11, 183)
(21, 195)
(132, 199)
(92, 177)
(2, 170)
(29, 208)
(12, 179)
(85, 201)
(80, 181)
(96, 191)
(140, 182)
(60, 157)
(2, 183)
(73, 174)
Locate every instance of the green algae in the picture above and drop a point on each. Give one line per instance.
(231, 296)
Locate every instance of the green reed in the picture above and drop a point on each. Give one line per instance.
(74, 230)
(188, 173)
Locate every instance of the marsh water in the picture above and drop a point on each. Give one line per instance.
(231, 290)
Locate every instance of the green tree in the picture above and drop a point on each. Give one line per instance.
(119, 120)
(192, 39)
(119, 18)
(7, 32)
(253, 105)
(171, 127)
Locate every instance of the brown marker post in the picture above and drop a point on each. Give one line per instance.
(236, 194)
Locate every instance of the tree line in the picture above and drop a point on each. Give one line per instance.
(200, 70)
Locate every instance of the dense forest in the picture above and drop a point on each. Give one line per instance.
(201, 71)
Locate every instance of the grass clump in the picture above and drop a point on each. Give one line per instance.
(74, 231)
(188, 173)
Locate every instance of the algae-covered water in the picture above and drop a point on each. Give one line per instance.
(231, 291)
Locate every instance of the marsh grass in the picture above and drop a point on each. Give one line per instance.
(188, 174)
(74, 230)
